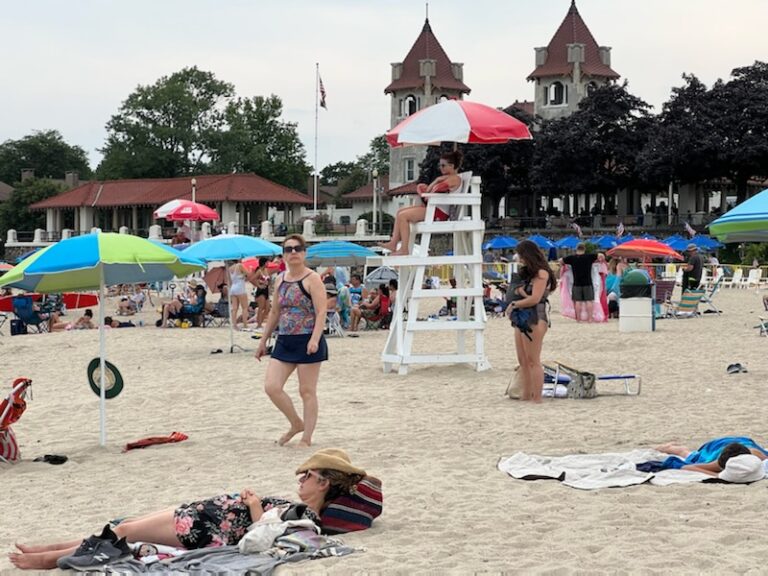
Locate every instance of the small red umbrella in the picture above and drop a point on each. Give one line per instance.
(185, 210)
(252, 264)
(458, 121)
(644, 249)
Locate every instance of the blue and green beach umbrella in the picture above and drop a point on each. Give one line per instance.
(748, 222)
(91, 262)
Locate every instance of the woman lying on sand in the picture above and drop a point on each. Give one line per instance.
(218, 521)
(710, 458)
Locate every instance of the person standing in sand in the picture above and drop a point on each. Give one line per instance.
(298, 312)
(538, 281)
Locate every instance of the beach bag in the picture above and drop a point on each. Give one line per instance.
(582, 384)
(18, 327)
(354, 511)
(515, 385)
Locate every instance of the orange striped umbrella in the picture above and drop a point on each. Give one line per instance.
(641, 248)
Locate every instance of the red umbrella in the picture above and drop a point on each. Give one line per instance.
(458, 121)
(185, 210)
(252, 263)
(644, 249)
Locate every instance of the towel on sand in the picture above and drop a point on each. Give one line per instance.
(595, 471)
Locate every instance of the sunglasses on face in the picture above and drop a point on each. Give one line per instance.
(304, 477)
(289, 249)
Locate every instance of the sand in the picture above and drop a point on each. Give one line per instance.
(434, 437)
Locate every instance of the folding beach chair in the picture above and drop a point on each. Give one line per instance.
(709, 296)
(23, 308)
(333, 324)
(581, 385)
(11, 409)
(753, 280)
(763, 326)
(688, 306)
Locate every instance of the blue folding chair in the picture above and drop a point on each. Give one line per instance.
(23, 308)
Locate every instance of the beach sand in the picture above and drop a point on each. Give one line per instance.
(433, 437)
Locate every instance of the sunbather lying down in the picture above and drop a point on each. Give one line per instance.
(712, 458)
(221, 520)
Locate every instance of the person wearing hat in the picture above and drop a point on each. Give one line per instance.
(194, 304)
(693, 268)
(736, 459)
(219, 521)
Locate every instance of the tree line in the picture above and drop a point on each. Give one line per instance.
(613, 142)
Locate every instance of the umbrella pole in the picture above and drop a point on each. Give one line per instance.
(102, 353)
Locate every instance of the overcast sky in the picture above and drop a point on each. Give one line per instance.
(67, 65)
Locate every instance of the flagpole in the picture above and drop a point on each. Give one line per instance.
(317, 96)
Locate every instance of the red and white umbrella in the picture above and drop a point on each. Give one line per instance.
(458, 121)
(185, 210)
(644, 249)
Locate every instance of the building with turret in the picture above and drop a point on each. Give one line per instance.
(425, 77)
(569, 67)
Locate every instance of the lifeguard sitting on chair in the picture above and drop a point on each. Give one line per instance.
(449, 181)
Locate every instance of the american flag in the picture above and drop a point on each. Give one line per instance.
(577, 228)
(322, 93)
(620, 230)
(690, 230)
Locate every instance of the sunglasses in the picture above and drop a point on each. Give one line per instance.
(309, 473)
(289, 249)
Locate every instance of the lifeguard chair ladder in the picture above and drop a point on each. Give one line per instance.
(467, 228)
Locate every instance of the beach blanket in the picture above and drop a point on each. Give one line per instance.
(595, 471)
(294, 547)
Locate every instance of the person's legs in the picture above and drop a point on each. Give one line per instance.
(355, 318)
(261, 311)
(522, 359)
(172, 307)
(674, 449)
(392, 243)
(533, 356)
(412, 215)
(308, 376)
(277, 375)
(590, 306)
(578, 307)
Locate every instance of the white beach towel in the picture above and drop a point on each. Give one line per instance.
(595, 471)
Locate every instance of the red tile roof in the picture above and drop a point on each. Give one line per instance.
(248, 188)
(405, 189)
(365, 192)
(427, 47)
(573, 30)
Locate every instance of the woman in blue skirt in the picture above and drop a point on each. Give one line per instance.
(298, 312)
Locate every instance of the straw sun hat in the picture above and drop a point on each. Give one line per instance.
(330, 459)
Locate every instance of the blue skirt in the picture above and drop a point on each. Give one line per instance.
(292, 349)
(710, 452)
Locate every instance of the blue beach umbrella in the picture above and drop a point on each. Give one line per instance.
(568, 243)
(231, 247)
(675, 237)
(623, 239)
(704, 243)
(338, 253)
(604, 242)
(26, 255)
(500, 243)
(747, 222)
(91, 262)
(542, 242)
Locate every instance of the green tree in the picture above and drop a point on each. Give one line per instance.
(45, 152)
(166, 129)
(256, 140)
(740, 115)
(377, 156)
(15, 213)
(333, 174)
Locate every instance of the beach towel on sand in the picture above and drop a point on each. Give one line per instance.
(152, 440)
(595, 471)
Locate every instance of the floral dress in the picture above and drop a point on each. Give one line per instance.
(224, 520)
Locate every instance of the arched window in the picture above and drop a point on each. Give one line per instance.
(410, 105)
(557, 94)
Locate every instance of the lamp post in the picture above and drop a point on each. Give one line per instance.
(375, 174)
(194, 191)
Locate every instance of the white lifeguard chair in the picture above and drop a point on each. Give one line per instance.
(467, 227)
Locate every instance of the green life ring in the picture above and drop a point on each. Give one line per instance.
(113, 380)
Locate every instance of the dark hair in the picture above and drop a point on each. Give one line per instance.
(298, 238)
(88, 313)
(263, 261)
(339, 483)
(356, 276)
(383, 289)
(393, 284)
(107, 320)
(733, 449)
(454, 158)
(534, 262)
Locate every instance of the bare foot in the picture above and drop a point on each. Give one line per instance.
(400, 252)
(387, 246)
(32, 549)
(304, 444)
(31, 561)
(285, 438)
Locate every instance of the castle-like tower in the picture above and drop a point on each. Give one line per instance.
(425, 77)
(569, 68)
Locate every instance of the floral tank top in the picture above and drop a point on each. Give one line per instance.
(297, 314)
